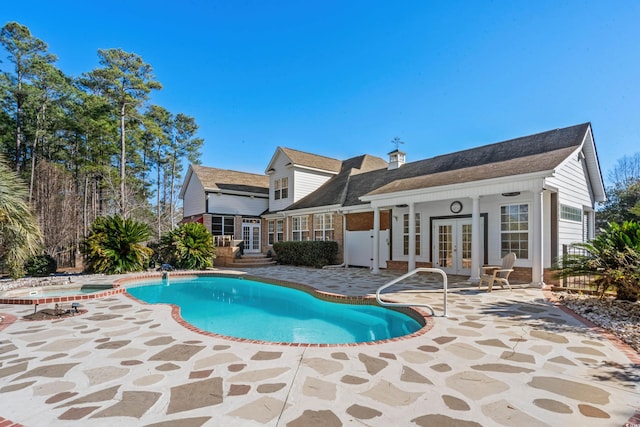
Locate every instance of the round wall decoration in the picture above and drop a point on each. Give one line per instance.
(456, 207)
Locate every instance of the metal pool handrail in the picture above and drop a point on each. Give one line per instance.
(411, 273)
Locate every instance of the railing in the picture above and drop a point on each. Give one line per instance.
(222, 241)
(411, 273)
(582, 282)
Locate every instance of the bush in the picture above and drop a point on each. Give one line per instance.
(40, 266)
(190, 246)
(613, 257)
(310, 253)
(115, 245)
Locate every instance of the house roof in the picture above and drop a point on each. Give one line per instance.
(336, 190)
(518, 166)
(534, 153)
(301, 158)
(214, 179)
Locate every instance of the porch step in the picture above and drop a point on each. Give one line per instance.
(252, 260)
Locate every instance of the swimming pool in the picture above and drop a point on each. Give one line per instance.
(56, 293)
(249, 309)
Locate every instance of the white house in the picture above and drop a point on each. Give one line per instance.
(529, 195)
(229, 203)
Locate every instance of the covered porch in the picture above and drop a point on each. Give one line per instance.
(462, 227)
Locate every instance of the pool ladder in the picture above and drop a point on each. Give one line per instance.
(411, 273)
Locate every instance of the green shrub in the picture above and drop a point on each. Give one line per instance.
(309, 253)
(115, 245)
(40, 265)
(613, 257)
(190, 246)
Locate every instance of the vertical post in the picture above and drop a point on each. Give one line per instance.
(476, 252)
(375, 268)
(412, 237)
(537, 257)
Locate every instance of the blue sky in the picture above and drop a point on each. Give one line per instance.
(343, 78)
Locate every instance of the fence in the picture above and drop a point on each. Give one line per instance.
(583, 282)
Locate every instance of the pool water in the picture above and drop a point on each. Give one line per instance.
(253, 310)
(46, 293)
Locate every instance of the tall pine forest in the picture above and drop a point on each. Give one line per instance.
(90, 145)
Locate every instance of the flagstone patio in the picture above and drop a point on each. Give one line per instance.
(509, 358)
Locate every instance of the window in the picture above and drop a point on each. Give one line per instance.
(570, 213)
(275, 231)
(279, 230)
(281, 188)
(222, 225)
(323, 227)
(405, 232)
(586, 228)
(514, 230)
(276, 189)
(300, 228)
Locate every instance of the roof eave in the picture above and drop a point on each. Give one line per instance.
(318, 209)
(511, 179)
(185, 183)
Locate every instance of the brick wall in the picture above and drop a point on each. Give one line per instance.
(363, 221)
(549, 278)
(404, 265)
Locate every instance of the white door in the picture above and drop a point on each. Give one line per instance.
(251, 236)
(452, 245)
(358, 248)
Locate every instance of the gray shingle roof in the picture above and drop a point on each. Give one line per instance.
(312, 160)
(533, 153)
(214, 179)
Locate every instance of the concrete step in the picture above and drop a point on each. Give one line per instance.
(252, 260)
(267, 262)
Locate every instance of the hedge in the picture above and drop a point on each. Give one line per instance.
(40, 266)
(309, 253)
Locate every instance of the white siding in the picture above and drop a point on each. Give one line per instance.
(237, 205)
(491, 206)
(488, 205)
(193, 202)
(281, 171)
(306, 182)
(573, 190)
(301, 182)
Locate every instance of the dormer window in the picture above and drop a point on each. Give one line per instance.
(276, 189)
(281, 188)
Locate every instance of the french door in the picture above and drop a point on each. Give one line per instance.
(251, 235)
(452, 245)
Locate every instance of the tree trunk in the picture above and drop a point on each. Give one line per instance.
(158, 211)
(171, 191)
(18, 121)
(123, 163)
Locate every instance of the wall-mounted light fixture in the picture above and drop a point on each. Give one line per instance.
(511, 194)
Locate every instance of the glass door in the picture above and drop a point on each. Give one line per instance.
(452, 245)
(251, 235)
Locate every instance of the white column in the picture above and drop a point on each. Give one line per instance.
(476, 252)
(412, 237)
(537, 255)
(375, 268)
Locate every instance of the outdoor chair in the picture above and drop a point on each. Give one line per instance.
(498, 273)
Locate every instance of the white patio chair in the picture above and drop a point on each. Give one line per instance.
(498, 273)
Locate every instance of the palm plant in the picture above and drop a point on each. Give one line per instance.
(20, 236)
(613, 257)
(190, 246)
(115, 245)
